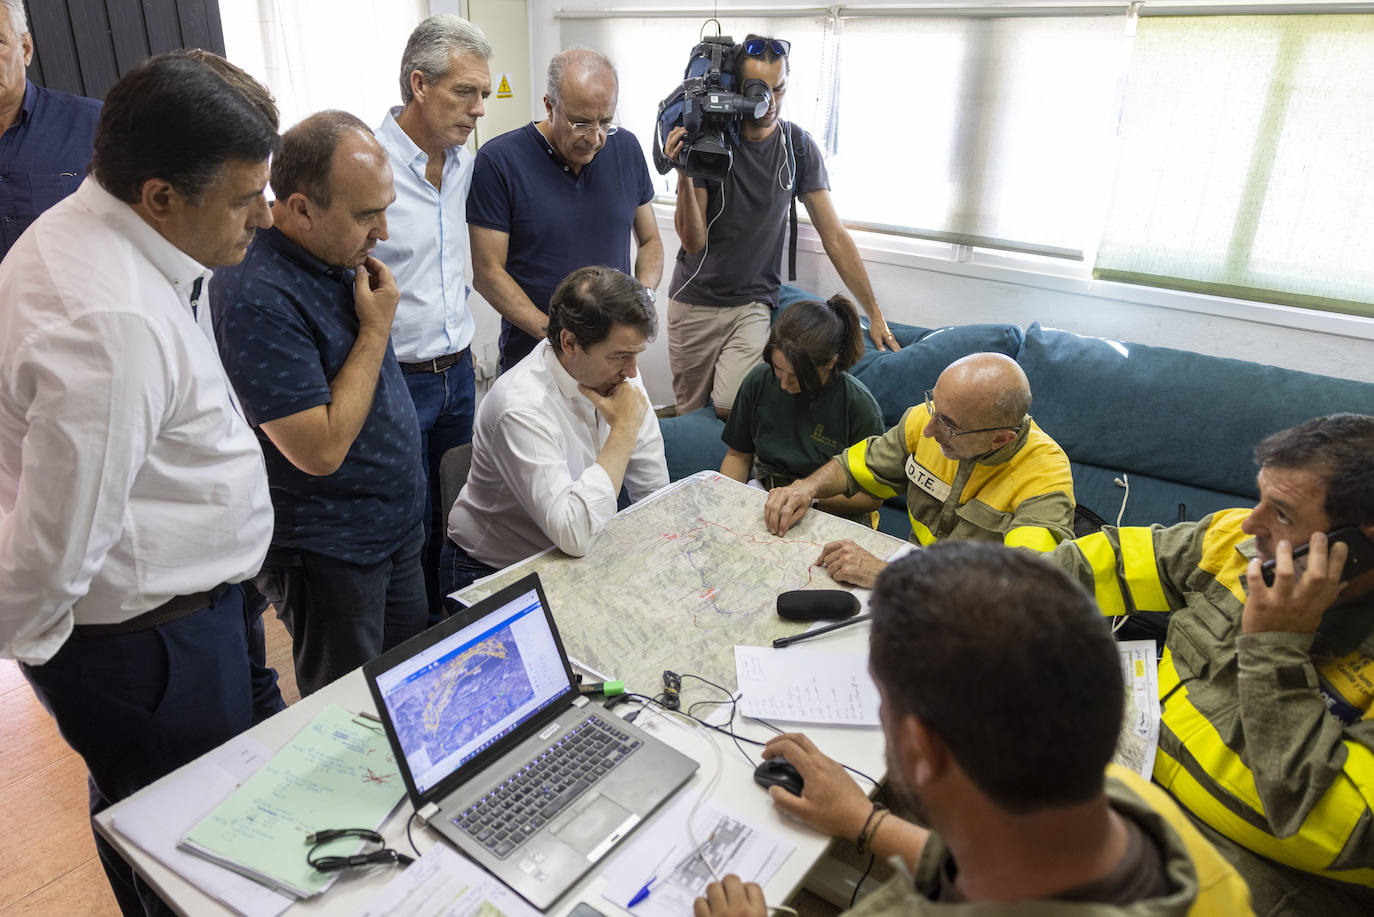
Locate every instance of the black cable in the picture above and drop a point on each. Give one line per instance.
(867, 869)
(728, 729)
(853, 770)
(334, 863)
(409, 822)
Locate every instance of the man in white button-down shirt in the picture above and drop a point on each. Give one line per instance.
(560, 433)
(444, 82)
(133, 497)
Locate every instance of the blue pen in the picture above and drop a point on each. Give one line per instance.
(642, 893)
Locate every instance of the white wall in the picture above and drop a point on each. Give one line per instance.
(918, 283)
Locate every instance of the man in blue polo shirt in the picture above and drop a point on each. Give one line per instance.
(303, 326)
(551, 197)
(46, 136)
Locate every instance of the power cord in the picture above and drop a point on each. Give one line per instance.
(385, 856)
(1123, 481)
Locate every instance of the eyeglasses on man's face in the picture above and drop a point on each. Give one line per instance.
(950, 426)
(755, 47)
(583, 128)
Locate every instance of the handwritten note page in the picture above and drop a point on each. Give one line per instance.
(337, 772)
(806, 685)
(444, 884)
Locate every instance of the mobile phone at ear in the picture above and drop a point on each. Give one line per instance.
(1358, 559)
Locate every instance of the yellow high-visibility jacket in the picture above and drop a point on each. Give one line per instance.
(1203, 884)
(1021, 494)
(1267, 738)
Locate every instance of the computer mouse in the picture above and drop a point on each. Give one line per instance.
(779, 772)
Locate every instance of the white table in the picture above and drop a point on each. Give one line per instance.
(860, 748)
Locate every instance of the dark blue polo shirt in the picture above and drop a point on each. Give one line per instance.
(43, 156)
(285, 324)
(557, 221)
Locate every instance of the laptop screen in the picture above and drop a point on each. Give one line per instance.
(453, 700)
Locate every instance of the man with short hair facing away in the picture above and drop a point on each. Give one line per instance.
(1266, 736)
(1001, 700)
(46, 136)
(558, 436)
(303, 327)
(445, 79)
(728, 272)
(133, 499)
(557, 195)
(973, 463)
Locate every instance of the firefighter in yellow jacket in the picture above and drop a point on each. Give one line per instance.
(999, 752)
(972, 462)
(1267, 736)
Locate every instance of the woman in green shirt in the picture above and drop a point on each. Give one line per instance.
(799, 407)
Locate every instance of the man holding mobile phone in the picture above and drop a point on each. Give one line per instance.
(303, 327)
(1267, 689)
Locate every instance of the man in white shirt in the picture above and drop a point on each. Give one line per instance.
(444, 81)
(560, 433)
(133, 497)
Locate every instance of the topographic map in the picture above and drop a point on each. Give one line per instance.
(436, 713)
(678, 580)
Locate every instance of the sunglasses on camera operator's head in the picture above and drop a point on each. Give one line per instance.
(755, 47)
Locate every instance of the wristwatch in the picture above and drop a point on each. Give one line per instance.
(651, 293)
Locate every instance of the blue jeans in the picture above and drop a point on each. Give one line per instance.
(458, 568)
(137, 706)
(341, 615)
(444, 404)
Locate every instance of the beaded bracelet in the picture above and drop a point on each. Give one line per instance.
(865, 836)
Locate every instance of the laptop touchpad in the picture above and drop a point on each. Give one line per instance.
(596, 824)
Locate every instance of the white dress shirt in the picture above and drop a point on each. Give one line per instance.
(127, 474)
(534, 478)
(427, 248)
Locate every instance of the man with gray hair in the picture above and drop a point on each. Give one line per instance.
(564, 193)
(45, 135)
(445, 78)
(972, 462)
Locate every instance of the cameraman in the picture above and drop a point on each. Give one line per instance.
(728, 271)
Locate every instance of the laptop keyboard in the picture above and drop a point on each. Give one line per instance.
(517, 808)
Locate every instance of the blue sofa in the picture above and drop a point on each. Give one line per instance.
(1179, 427)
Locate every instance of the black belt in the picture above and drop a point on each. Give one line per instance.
(174, 608)
(436, 365)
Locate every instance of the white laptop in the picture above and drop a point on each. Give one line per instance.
(480, 712)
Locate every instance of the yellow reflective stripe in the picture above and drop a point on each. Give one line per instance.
(924, 536)
(1325, 830)
(855, 457)
(1142, 573)
(1097, 551)
(1035, 537)
(1192, 796)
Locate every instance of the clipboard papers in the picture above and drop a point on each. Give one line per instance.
(337, 772)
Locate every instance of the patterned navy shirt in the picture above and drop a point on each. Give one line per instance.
(43, 156)
(285, 324)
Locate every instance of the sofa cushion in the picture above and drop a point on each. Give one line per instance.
(899, 379)
(1170, 414)
(692, 442)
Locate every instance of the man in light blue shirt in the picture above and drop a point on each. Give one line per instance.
(445, 79)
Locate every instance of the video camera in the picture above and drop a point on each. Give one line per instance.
(710, 109)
